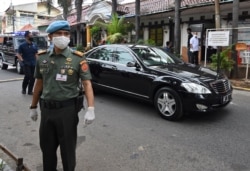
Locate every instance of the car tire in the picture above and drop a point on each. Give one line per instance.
(19, 68)
(168, 103)
(2, 65)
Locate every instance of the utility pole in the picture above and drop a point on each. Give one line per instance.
(114, 7)
(137, 20)
(217, 14)
(217, 26)
(13, 16)
(177, 31)
(235, 36)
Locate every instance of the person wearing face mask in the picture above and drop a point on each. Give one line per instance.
(194, 49)
(27, 54)
(57, 74)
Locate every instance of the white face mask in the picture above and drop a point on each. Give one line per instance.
(61, 42)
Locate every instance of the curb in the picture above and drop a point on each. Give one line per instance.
(241, 88)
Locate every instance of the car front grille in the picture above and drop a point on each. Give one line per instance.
(221, 86)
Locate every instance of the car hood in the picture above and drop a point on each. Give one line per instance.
(188, 72)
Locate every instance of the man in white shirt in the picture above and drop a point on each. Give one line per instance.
(194, 48)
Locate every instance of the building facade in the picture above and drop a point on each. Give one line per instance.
(27, 17)
(157, 19)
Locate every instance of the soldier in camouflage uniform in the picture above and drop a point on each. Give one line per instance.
(57, 76)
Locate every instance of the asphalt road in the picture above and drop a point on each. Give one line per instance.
(128, 135)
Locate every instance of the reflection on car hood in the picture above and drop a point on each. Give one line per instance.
(188, 72)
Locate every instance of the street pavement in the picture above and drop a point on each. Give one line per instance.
(128, 135)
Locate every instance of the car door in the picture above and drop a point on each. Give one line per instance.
(101, 66)
(130, 79)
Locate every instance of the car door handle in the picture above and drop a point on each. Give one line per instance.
(114, 67)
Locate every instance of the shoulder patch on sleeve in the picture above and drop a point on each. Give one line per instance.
(78, 53)
(42, 52)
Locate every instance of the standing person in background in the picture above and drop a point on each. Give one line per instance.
(57, 76)
(189, 31)
(168, 47)
(27, 54)
(194, 49)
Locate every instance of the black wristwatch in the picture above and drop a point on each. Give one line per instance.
(33, 107)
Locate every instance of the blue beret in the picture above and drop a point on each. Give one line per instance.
(58, 25)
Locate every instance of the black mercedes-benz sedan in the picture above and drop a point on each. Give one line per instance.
(151, 74)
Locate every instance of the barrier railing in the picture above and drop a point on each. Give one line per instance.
(19, 161)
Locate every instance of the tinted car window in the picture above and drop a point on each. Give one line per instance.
(40, 42)
(19, 41)
(122, 56)
(155, 56)
(104, 54)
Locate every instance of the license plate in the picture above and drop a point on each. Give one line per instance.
(226, 98)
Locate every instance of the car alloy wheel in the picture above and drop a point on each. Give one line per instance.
(168, 104)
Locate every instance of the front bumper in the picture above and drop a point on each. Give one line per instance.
(205, 103)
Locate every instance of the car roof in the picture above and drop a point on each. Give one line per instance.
(126, 45)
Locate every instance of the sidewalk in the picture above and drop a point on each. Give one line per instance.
(240, 84)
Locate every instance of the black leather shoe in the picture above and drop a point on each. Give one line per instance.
(23, 92)
(30, 93)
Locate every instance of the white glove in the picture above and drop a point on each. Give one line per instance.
(89, 116)
(33, 114)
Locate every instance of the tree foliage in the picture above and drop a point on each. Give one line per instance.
(115, 38)
(65, 4)
(116, 25)
(95, 33)
(116, 28)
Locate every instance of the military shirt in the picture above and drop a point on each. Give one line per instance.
(61, 73)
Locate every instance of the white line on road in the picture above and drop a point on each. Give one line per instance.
(9, 80)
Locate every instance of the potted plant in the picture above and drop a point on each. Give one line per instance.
(222, 62)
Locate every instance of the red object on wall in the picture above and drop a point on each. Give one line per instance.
(27, 27)
(239, 60)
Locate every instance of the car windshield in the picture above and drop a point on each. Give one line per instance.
(151, 56)
(38, 40)
(20, 41)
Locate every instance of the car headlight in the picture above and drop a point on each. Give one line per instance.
(196, 88)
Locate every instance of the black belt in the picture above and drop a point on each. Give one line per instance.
(51, 104)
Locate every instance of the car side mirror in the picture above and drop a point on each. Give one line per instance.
(131, 64)
(134, 64)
